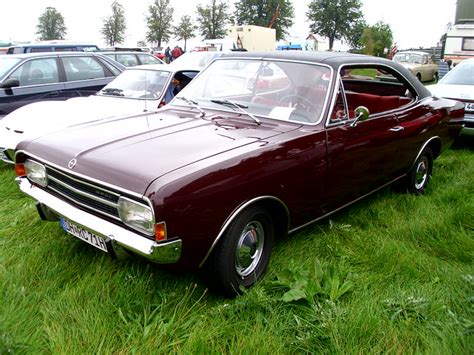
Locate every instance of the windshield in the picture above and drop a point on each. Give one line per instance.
(462, 74)
(276, 89)
(6, 63)
(137, 84)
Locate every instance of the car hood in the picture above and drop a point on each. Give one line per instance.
(132, 152)
(460, 92)
(43, 117)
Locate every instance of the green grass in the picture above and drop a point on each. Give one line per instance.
(406, 261)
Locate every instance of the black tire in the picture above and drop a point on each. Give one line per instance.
(420, 173)
(251, 232)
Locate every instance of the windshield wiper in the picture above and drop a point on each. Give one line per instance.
(194, 104)
(237, 106)
(112, 91)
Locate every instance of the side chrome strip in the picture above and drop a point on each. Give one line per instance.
(234, 215)
(347, 204)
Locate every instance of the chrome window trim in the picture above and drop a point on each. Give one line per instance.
(339, 78)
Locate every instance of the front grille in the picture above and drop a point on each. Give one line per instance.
(83, 193)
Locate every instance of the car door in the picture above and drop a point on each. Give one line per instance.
(39, 80)
(361, 155)
(84, 75)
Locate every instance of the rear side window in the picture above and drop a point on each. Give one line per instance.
(82, 68)
(129, 60)
(378, 88)
(37, 72)
(148, 59)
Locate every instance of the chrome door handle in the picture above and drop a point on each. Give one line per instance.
(396, 129)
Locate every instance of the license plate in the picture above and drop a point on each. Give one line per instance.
(470, 107)
(83, 234)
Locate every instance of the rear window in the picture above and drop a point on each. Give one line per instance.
(6, 64)
(82, 68)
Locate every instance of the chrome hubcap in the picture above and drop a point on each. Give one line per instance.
(249, 248)
(421, 173)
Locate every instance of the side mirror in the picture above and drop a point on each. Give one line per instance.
(10, 83)
(362, 114)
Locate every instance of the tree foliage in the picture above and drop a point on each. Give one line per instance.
(375, 39)
(334, 19)
(277, 14)
(159, 22)
(355, 35)
(114, 25)
(185, 29)
(51, 25)
(212, 19)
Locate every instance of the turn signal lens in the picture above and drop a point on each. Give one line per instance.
(20, 170)
(160, 232)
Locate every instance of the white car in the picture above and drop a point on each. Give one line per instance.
(458, 84)
(136, 90)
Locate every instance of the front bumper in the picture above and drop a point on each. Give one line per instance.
(119, 237)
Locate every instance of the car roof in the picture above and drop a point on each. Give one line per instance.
(123, 52)
(49, 54)
(334, 60)
(413, 52)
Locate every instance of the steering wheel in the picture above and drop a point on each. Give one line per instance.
(298, 102)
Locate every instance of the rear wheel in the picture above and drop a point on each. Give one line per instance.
(420, 174)
(242, 254)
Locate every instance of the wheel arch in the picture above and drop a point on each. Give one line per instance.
(434, 143)
(277, 209)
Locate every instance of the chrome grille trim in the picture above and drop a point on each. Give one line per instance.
(79, 192)
(83, 193)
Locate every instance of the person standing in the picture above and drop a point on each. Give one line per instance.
(176, 52)
(168, 55)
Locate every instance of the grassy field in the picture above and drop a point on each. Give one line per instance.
(393, 273)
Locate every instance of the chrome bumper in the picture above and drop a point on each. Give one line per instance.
(7, 155)
(468, 129)
(119, 237)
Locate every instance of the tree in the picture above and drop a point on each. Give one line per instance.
(212, 19)
(51, 25)
(355, 36)
(277, 14)
(159, 22)
(114, 25)
(185, 29)
(375, 39)
(334, 19)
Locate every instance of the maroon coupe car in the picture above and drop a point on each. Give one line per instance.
(257, 146)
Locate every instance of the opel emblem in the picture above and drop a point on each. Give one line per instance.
(72, 163)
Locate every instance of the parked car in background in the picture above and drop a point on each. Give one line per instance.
(458, 84)
(138, 89)
(52, 46)
(27, 78)
(419, 63)
(131, 59)
(258, 145)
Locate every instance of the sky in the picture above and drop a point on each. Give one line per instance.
(414, 23)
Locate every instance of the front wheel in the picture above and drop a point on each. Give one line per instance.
(420, 174)
(242, 254)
